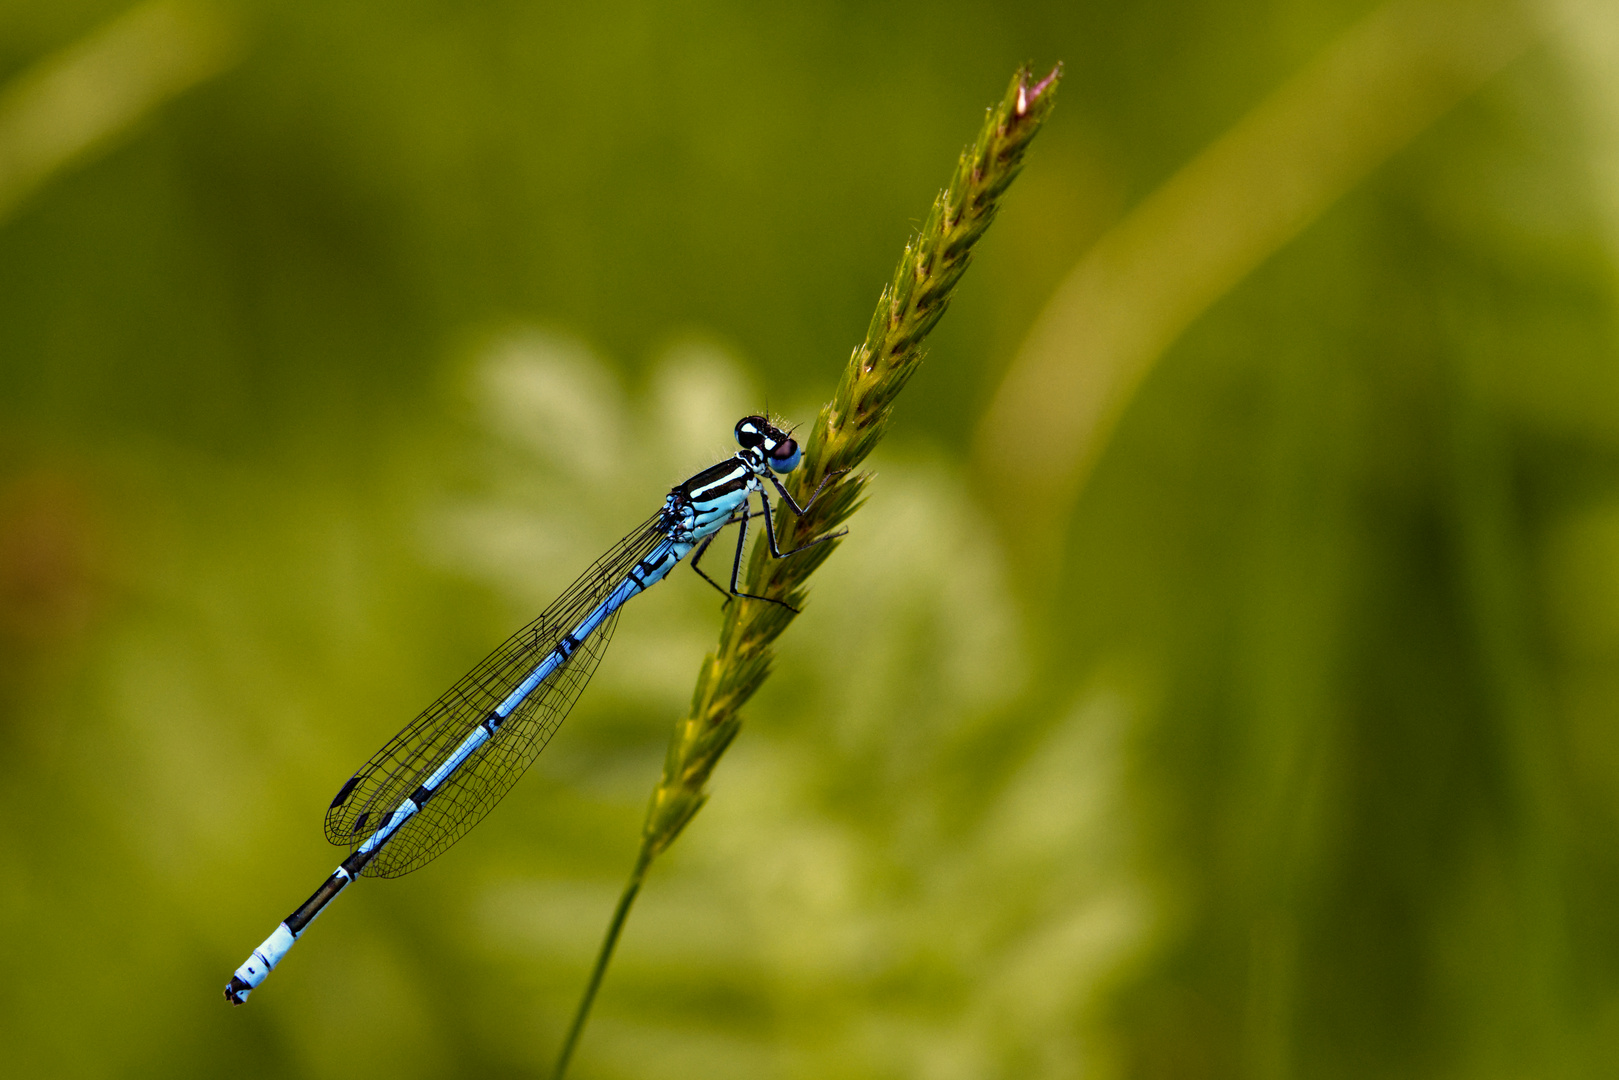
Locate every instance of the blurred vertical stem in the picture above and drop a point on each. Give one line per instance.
(846, 431)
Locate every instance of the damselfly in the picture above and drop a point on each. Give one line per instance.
(437, 778)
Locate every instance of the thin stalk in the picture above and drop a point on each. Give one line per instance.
(620, 914)
(844, 434)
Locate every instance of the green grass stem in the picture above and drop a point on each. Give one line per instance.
(844, 434)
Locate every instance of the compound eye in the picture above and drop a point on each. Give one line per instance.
(784, 456)
(748, 434)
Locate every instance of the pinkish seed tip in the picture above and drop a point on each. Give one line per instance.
(1040, 87)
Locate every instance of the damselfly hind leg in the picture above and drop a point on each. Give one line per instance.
(702, 549)
(697, 558)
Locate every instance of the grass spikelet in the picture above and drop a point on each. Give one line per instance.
(844, 434)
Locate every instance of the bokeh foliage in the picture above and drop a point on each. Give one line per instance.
(1288, 749)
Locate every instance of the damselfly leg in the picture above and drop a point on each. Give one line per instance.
(742, 519)
(800, 511)
(702, 549)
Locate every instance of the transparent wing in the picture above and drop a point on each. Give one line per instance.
(463, 798)
(469, 793)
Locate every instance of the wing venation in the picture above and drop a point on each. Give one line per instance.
(473, 789)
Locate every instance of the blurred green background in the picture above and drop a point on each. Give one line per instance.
(1276, 740)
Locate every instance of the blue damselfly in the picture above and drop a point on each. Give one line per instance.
(436, 779)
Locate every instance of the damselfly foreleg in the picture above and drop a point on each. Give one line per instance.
(800, 511)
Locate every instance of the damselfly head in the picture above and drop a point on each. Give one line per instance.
(780, 450)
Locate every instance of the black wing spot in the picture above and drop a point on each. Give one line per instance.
(359, 822)
(343, 794)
